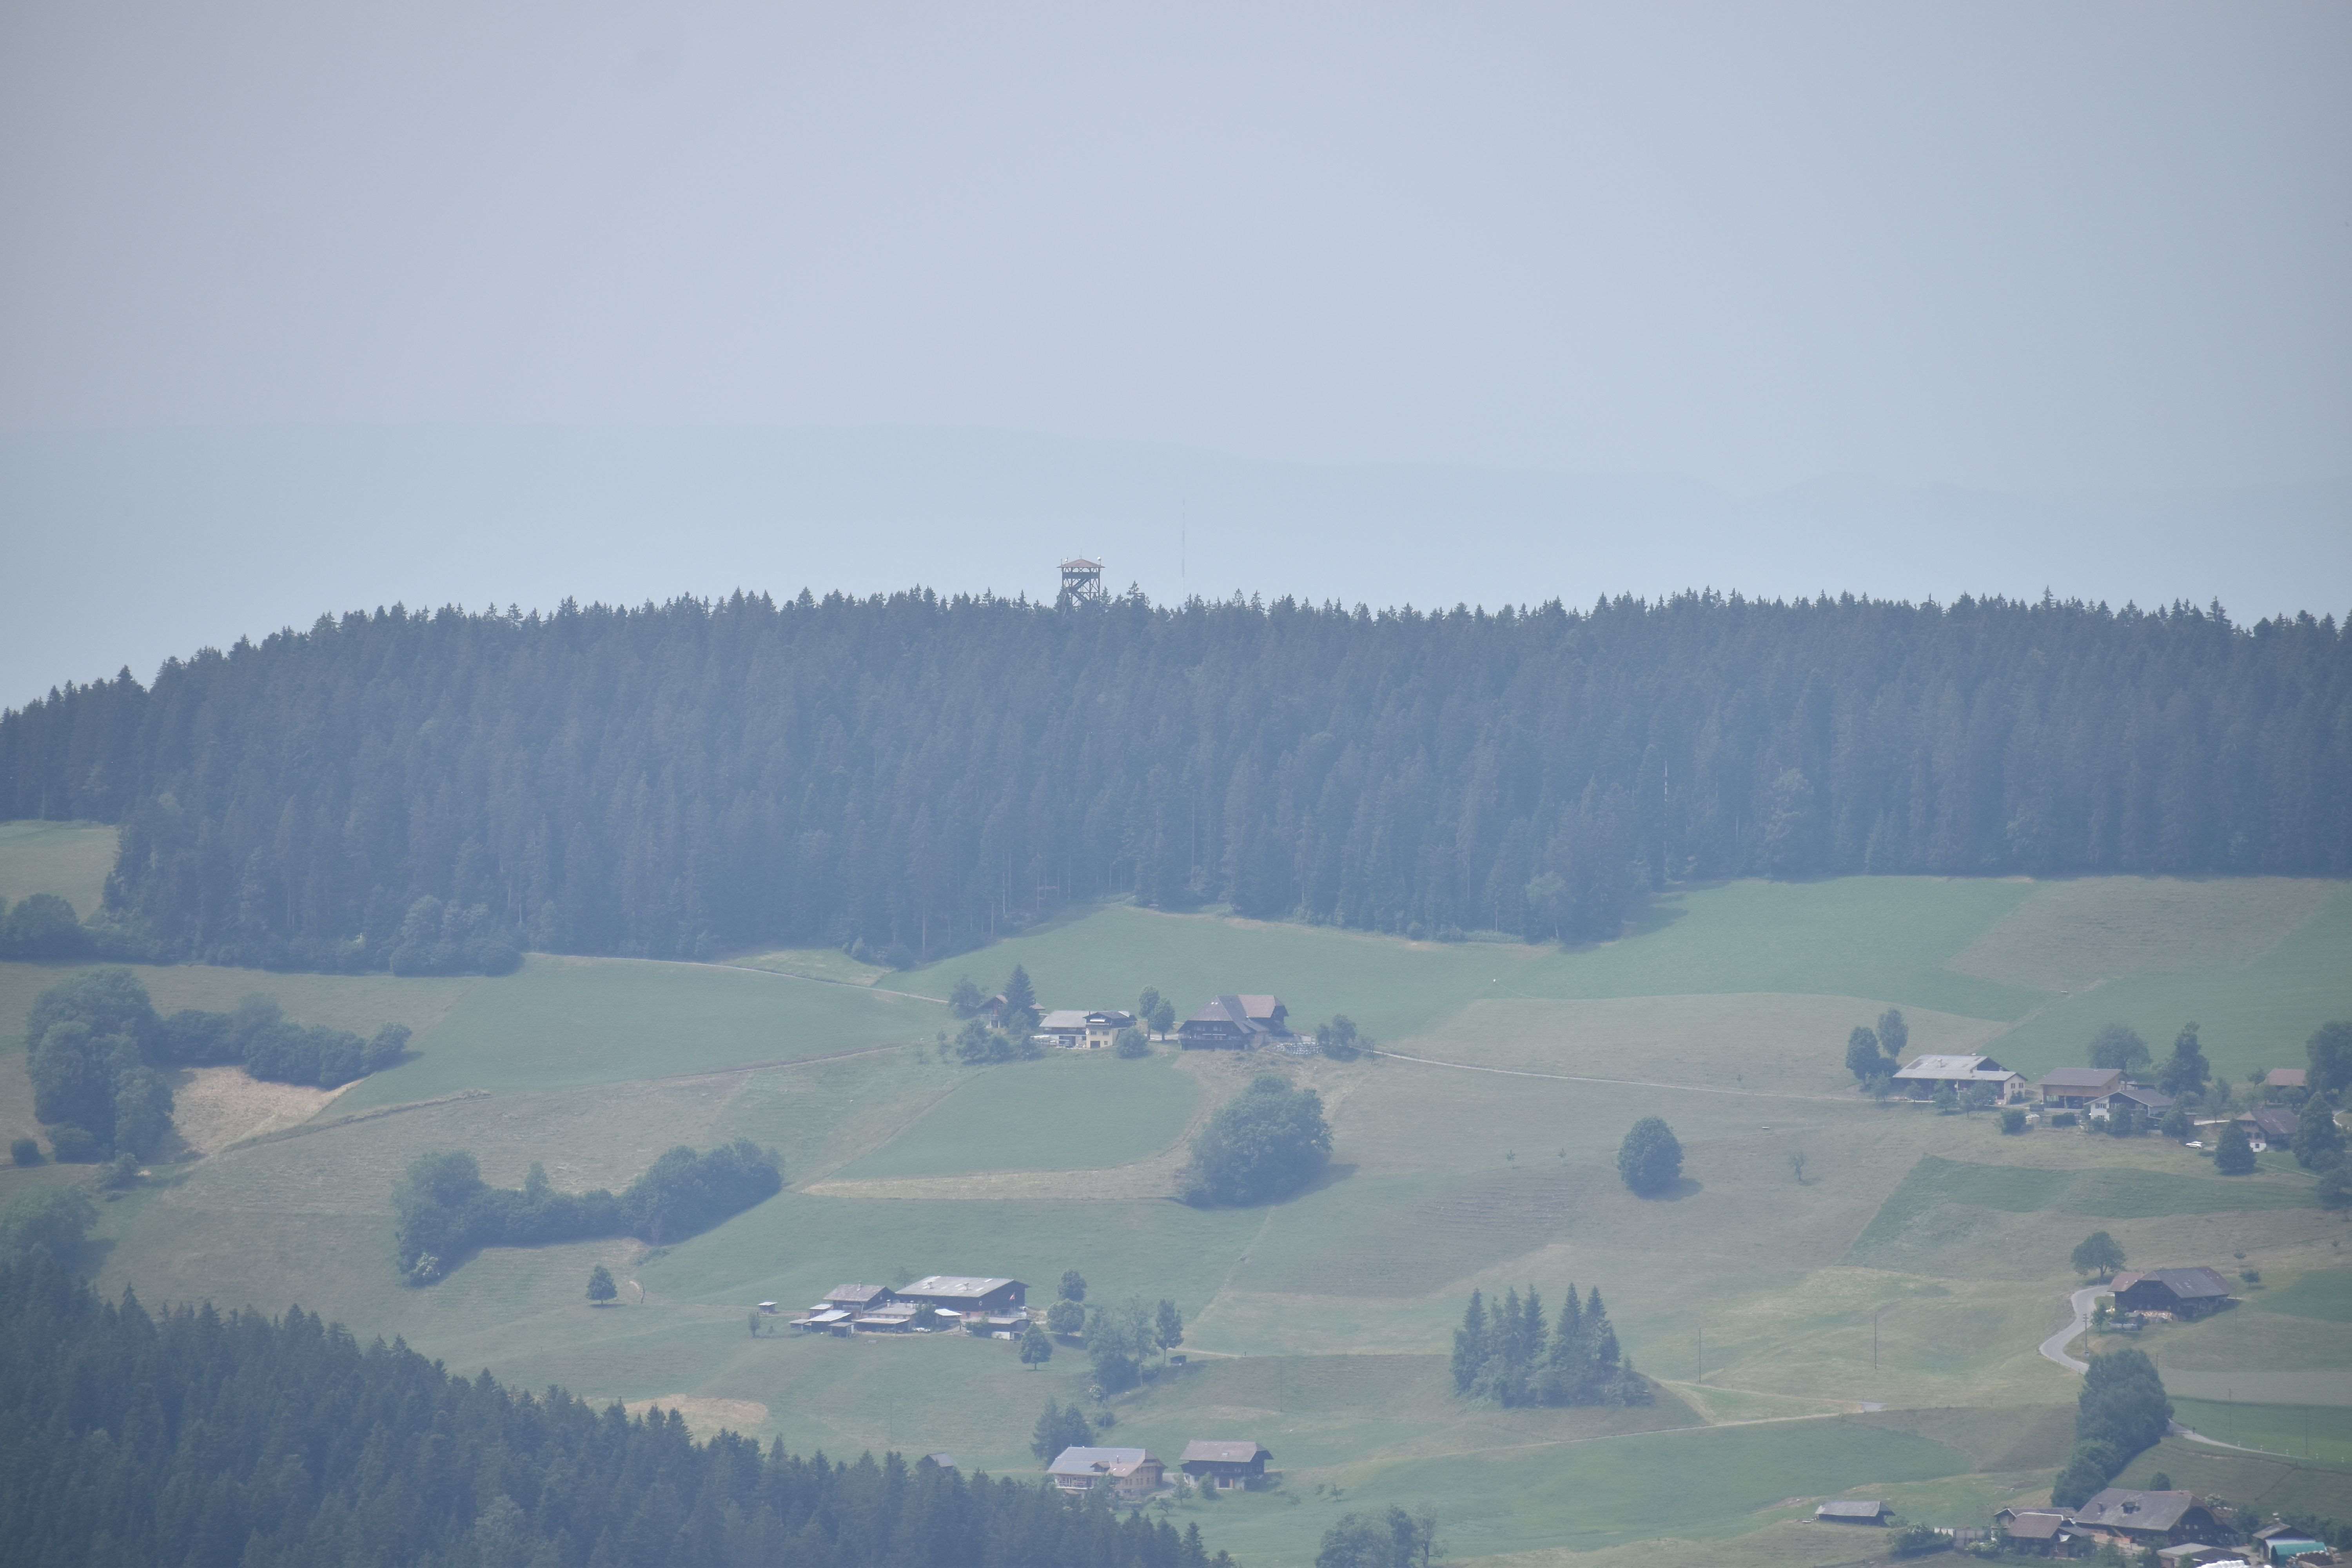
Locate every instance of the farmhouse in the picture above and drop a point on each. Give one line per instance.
(2148, 1101)
(1851, 1511)
(1235, 1023)
(2146, 1519)
(2268, 1126)
(2287, 1079)
(1130, 1474)
(1223, 1465)
(1925, 1075)
(2039, 1530)
(1078, 1031)
(965, 1294)
(892, 1318)
(2074, 1088)
(2183, 1292)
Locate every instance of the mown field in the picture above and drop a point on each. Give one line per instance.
(1908, 1261)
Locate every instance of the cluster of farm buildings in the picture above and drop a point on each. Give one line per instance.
(2092, 1094)
(992, 1307)
(1225, 1023)
(2174, 1525)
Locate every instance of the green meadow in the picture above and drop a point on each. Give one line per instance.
(1842, 1297)
(69, 858)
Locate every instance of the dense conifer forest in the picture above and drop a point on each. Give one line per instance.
(213, 1440)
(908, 775)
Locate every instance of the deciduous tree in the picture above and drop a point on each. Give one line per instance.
(2119, 1046)
(1649, 1160)
(2098, 1253)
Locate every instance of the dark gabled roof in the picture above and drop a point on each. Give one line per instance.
(1851, 1508)
(1211, 1452)
(2036, 1524)
(1236, 1011)
(2120, 1508)
(2186, 1284)
(856, 1295)
(2275, 1120)
(2146, 1099)
(2079, 1077)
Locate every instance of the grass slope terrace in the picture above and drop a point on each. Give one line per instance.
(1319, 1326)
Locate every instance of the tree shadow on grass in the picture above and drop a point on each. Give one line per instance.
(1684, 1187)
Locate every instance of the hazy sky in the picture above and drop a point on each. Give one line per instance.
(2026, 248)
(2020, 246)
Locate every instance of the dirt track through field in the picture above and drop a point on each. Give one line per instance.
(1621, 1082)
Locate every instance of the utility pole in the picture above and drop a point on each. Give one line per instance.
(1874, 1339)
(1702, 1347)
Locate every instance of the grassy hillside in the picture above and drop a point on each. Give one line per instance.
(1915, 1263)
(69, 859)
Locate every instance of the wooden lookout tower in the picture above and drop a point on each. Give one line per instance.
(1082, 581)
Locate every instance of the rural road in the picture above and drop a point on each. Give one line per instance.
(2055, 1347)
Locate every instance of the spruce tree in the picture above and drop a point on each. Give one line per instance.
(1470, 1348)
(2186, 1071)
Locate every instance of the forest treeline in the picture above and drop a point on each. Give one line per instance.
(443, 1211)
(98, 1054)
(908, 775)
(232, 1440)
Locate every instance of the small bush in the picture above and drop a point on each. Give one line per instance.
(25, 1152)
(1918, 1541)
(2064, 1119)
(2012, 1121)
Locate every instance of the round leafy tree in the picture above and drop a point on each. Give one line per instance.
(601, 1288)
(1269, 1141)
(1651, 1157)
(2098, 1254)
(2235, 1154)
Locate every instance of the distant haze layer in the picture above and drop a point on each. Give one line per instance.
(125, 549)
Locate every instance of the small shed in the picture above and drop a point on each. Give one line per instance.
(944, 1461)
(1851, 1511)
(1224, 1464)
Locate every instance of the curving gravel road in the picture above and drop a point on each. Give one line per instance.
(2055, 1347)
